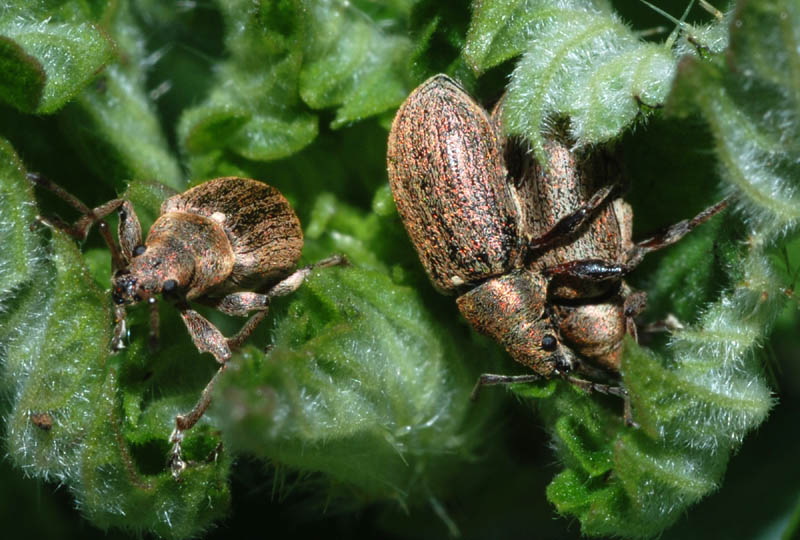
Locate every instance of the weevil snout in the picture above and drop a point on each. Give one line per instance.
(127, 288)
(565, 361)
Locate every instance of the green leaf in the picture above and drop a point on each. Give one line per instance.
(21, 252)
(751, 101)
(696, 403)
(66, 421)
(584, 64)
(498, 31)
(48, 56)
(358, 385)
(113, 124)
(351, 62)
(253, 110)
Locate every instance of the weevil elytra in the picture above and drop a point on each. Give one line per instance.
(536, 258)
(230, 243)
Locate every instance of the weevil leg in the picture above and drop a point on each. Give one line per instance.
(588, 269)
(89, 216)
(249, 327)
(208, 338)
(241, 303)
(154, 339)
(130, 232)
(592, 386)
(205, 336)
(491, 379)
(63, 194)
(120, 328)
(668, 324)
(613, 390)
(672, 234)
(293, 282)
(568, 224)
(184, 422)
(635, 303)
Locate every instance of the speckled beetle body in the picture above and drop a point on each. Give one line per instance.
(229, 243)
(593, 304)
(590, 308)
(448, 179)
(536, 254)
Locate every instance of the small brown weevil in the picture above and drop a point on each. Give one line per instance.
(536, 256)
(230, 243)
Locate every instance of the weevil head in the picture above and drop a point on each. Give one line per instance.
(552, 354)
(538, 344)
(513, 310)
(148, 275)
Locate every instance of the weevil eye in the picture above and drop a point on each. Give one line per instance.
(564, 366)
(549, 343)
(138, 250)
(169, 285)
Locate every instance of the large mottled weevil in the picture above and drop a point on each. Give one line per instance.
(537, 257)
(229, 243)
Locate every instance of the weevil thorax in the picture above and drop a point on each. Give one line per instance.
(512, 309)
(185, 254)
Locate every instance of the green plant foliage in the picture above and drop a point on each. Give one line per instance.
(20, 250)
(49, 54)
(351, 398)
(113, 124)
(367, 419)
(65, 421)
(351, 62)
(695, 403)
(499, 31)
(253, 110)
(581, 62)
(327, 54)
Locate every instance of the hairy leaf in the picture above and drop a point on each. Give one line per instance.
(253, 109)
(351, 62)
(696, 403)
(582, 63)
(66, 422)
(49, 54)
(113, 122)
(20, 250)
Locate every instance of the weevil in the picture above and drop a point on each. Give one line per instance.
(586, 265)
(536, 256)
(230, 243)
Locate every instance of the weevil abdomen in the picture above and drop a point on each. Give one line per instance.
(263, 230)
(548, 194)
(448, 179)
